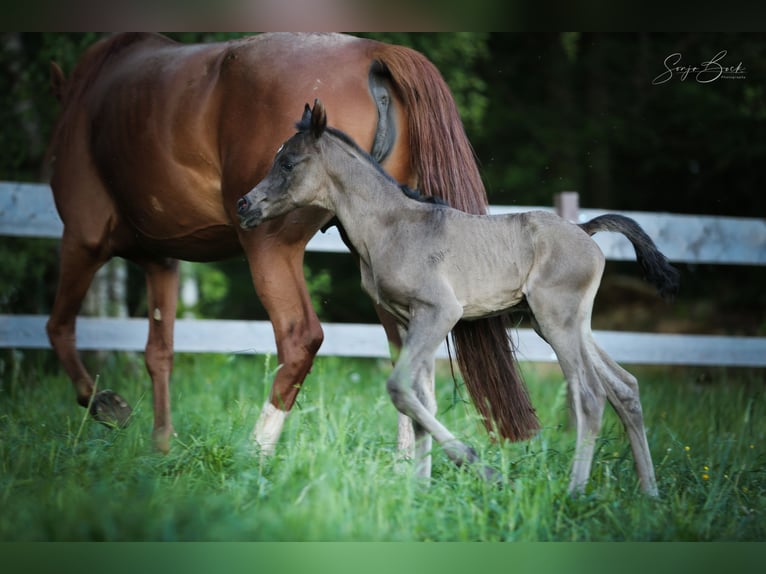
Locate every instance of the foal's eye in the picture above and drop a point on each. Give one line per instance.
(288, 165)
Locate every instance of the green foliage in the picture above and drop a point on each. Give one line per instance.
(570, 111)
(320, 286)
(333, 477)
(226, 290)
(28, 277)
(213, 284)
(27, 106)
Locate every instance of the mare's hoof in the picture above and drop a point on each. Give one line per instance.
(161, 439)
(110, 409)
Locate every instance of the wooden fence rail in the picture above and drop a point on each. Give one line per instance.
(27, 210)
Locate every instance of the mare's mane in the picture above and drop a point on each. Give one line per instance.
(304, 126)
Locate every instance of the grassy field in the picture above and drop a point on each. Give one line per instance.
(63, 477)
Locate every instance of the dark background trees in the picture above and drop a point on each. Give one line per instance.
(545, 112)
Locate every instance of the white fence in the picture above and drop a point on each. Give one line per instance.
(27, 210)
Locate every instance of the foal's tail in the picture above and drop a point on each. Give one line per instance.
(446, 166)
(657, 270)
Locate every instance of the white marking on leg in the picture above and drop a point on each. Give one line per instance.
(423, 456)
(157, 315)
(405, 444)
(405, 437)
(268, 428)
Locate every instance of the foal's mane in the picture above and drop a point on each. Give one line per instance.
(304, 126)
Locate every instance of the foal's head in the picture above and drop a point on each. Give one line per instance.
(297, 178)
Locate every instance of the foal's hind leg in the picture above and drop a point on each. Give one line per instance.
(79, 263)
(622, 392)
(588, 399)
(162, 292)
(593, 377)
(563, 318)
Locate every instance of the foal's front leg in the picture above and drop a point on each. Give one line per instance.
(414, 441)
(429, 324)
(401, 388)
(424, 387)
(405, 436)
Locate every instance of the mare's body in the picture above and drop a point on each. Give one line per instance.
(156, 141)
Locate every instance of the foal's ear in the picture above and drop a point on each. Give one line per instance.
(305, 118)
(318, 119)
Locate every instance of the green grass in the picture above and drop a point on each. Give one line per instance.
(64, 477)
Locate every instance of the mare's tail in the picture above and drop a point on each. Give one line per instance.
(446, 166)
(657, 270)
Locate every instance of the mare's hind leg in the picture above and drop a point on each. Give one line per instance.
(78, 265)
(162, 293)
(622, 393)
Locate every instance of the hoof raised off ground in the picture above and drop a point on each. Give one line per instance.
(110, 409)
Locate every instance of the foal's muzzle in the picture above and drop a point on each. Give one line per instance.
(248, 216)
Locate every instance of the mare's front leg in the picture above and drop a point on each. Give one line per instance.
(162, 298)
(275, 254)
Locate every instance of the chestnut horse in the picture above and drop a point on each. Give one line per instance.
(157, 140)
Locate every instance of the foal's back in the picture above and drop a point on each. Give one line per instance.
(489, 261)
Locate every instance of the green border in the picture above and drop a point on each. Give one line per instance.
(375, 558)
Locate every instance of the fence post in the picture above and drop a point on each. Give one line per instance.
(567, 205)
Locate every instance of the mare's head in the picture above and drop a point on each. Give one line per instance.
(298, 176)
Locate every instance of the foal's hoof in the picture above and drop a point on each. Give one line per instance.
(491, 475)
(110, 409)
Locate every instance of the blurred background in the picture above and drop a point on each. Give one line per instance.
(595, 113)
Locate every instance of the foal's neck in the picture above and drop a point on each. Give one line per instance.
(365, 191)
(367, 202)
